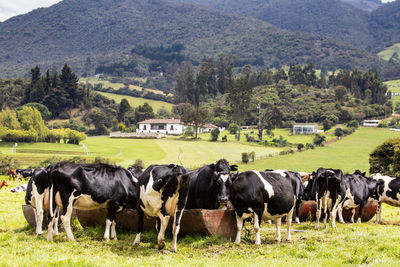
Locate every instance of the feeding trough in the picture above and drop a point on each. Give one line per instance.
(209, 222)
(308, 209)
(29, 215)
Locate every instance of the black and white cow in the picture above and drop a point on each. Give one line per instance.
(326, 190)
(389, 193)
(264, 195)
(163, 192)
(296, 180)
(90, 186)
(37, 194)
(358, 190)
(27, 173)
(19, 188)
(209, 185)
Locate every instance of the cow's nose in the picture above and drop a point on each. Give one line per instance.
(223, 199)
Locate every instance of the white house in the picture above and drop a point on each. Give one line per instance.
(165, 126)
(305, 128)
(371, 123)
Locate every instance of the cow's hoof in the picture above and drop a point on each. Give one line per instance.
(161, 244)
(115, 238)
(289, 240)
(278, 240)
(106, 240)
(173, 249)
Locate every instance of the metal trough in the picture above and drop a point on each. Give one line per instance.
(209, 222)
(29, 215)
(308, 209)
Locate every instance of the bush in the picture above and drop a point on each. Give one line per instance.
(245, 157)
(338, 132)
(233, 128)
(121, 127)
(188, 132)
(214, 134)
(352, 124)
(252, 156)
(300, 147)
(138, 164)
(319, 140)
(385, 159)
(7, 163)
(309, 146)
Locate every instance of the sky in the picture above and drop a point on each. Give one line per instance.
(10, 8)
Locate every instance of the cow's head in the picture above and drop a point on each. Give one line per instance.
(308, 186)
(375, 187)
(223, 180)
(3, 183)
(136, 172)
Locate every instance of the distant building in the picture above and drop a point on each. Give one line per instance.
(169, 126)
(305, 128)
(371, 123)
(165, 126)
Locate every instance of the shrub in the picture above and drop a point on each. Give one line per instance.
(319, 140)
(7, 163)
(245, 157)
(189, 132)
(214, 134)
(138, 164)
(339, 132)
(352, 124)
(309, 146)
(300, 147)
(385, 159)
(252, 156)
(121, 127)
(233, 128)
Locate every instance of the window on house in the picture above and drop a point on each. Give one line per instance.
(172, 127)
(144, 127)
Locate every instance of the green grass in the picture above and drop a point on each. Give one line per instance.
(136, 101)
(350, 244)
(394, 87)
(387, 53)
(348, 154)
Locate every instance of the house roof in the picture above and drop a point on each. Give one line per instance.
(161, 121)
(209, 125)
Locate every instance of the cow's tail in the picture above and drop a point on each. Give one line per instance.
(51, 201)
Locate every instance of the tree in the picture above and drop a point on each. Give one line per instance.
(31, 120)
(144, 112)
(44, 111)
(385, 159)
(124, 107)
(270, 119)
(206, 79)
(340, 92)
(319, 140)
(184, 83)
(239, 97)
(69, 83)
(214, 134)
(233, 128)
(338, 132)
(224, 67)
(196, 117)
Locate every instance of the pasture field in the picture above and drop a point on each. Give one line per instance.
(387, 53)
(350, 244)
(136, 101)
(126, 151)
(394, 87)
(348, 154)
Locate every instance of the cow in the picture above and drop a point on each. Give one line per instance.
(163, 192)
(19, 188)
(3, 183)
(90, 186)
(209, 185)
(37, 194)
(296, 179)
(12, 174)
(27, 173)
(326, 189)
(263, 195)
(389, 193)
(358, 190)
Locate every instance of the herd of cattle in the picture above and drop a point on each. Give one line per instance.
(164, 191)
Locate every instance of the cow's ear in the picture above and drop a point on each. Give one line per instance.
(233, 167)
(380, 182)
(171, 166)
(364, 173)
(234, 176)
(213, 166)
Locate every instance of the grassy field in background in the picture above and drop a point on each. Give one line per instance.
(394, 87)
(387, 53)
(136, 101)
(350, 153)
(365, 244)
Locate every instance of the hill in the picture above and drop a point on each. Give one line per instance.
(345, 20)
(72, 30)
(366, 5)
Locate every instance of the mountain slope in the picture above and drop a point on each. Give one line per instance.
(366, 5)
(75, 29)
(332, 18)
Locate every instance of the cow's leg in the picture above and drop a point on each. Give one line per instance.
(340, 213)
(161, 234)
(326, 208)
(158, 224)
(257, 223)
(57, 216)
(113, 230)
(66, 215)
(298, 202)
(360, 208)
(353, 212)
(111, 217)
(239, 226)
(107, 230)
(335, 201)
(318, 213)
(39, 212)
(289, 223)
(378, 213)
(140, 225)
(175, 228)
(278, 223)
